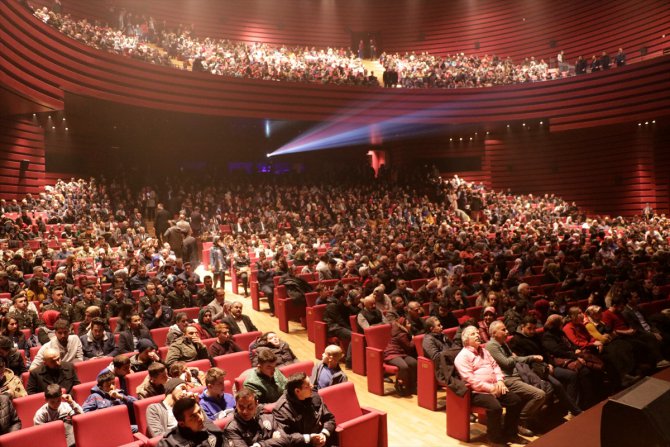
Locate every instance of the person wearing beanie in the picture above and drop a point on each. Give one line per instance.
(145, 357)
(160, 419)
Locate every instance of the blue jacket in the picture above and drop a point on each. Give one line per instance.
(213, 405)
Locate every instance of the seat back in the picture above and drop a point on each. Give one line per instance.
(310, 298)
(109, 427)
(160, 335)
(113, 322)
(202, 365)
(306, 366)
(27, 406)
(233, 364)
(133, 380)
(342, 401)
(51, 434)
(140, 409)
(244, 340)
(378, 336)
(191, 312)
(88, 370)
(418, 343)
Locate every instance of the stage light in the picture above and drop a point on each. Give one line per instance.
(508, 126)
(541, 123)
(67, 128)
(53, 127)
(470, 138)
(653, 122)
(487, 132)
(646, 123)
(451, 139)
(63, 118)
(524, 124)
(268, 129)
(461, 139)
(639, 124)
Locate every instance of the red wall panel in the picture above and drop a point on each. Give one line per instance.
(21, 139)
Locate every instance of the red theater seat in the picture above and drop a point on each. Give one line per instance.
(233, 364)
(51, 434)
(356, 425)
(109, 427)
(294, 368)
(159, 335)
(377, 337)
(88, 370)
(140, 409)
(459, 410)
(244, 340)
(27, 406)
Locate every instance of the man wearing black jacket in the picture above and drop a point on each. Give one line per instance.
(303, 416)
(336, 316)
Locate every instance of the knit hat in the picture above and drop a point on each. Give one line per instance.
(172, 384)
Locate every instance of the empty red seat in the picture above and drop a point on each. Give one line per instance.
(377, 338)
(293, 368)
(159, 335)
(245, 339)
(109, 427)
(233, 364)
(88, 370)
(356, 425)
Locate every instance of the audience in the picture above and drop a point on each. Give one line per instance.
(224, 343)
(215, 402)
(237, 322)
(271, 341)
(154, 383)
(187, 348)
(9, 420)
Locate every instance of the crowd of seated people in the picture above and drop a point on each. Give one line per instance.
(138, 37)
(467, 245)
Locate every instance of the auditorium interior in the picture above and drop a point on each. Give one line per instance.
(285, 101)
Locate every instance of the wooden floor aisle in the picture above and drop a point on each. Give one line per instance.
(408, 424)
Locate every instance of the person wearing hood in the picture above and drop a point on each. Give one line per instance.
(205, 324)
(160, 418)
(105, 395)
(303, 416)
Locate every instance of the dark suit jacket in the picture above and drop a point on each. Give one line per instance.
(233, 324)
(126, 339)
(40, 377)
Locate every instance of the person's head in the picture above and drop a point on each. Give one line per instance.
(205, 316)
(299, 386)
(188, 414)
(20, 302)
(51, 358)
(176, 388)
(62, 330)
(489, 315)
(529, 326)
(498, 331)
(135, 321)
(181, 320)
(150, 290)
(98, 328)
(57, 294)
(271, 338)
(594, 312)
(236, 309)
(53, 395)
(89, 293)
(208, 282)
(369, 302)
(157, 373)
(119, 293)
(554, 321)
(246, 404)
(10, 325)
(121, 365)
(106, 381)
(267, 362)
(470, 337)
(575, 314)
(433, 325)
(332, 355)
(414, 310)
(223, 332)
(145, 347)
(191, 332)
(215, 381)
(179, 285)
(220, 295)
